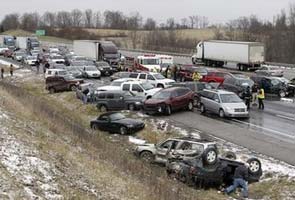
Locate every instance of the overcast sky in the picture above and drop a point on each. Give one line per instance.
(218, 11)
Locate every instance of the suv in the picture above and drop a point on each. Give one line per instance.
(178, 148)
(237, 84)
(170, 99)
(104, 68)
(215, 77)
(196, 87)
(224, 103)
(118, 100)
(62, 83)
(158, 80)
(186, 72)
(272, 85)
(119, 75)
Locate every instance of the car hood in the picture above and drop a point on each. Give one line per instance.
(235, 105)
(167, 80)
(154, 101)
(153, 91)
(108, 87)
(129, 121)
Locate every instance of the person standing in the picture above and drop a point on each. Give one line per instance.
(247, 97)
(2, 73)
(240, 180)
(37, 66)
(261, 97)
(196, 76)
(11, 70)
(254, 94)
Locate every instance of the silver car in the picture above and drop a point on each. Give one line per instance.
(171, 148)
(270, 71)
(223, 103)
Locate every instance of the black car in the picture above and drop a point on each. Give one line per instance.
(196, 87)
(236, 83)
(104, 68)
(115, 122)
(119, 75)
(118, 100)
(272, 85)
(195, 171)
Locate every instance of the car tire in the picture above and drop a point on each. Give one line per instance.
(160, 86)
(123, 130)
(190, 106)
(94, 127)
(73, 88)
(254, 166)
(168, 110)
(282, 93)
(203, 109)
(221, 113)
(147, 156)
(51, 90)
(103, 108)
(131, 107)
(230, 155)
(210, 156)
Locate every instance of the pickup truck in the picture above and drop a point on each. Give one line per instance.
(139, 88)
(156, 79)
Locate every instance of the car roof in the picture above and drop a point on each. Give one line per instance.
(193, 139)
(219, 91)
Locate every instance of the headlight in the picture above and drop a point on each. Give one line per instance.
(130, 125)
(100, 68)
(159, 108)
(228, 108)
(137, 103)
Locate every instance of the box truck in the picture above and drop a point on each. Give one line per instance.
(8, 41)
(27, 43)
(246, 55)
(98, 50)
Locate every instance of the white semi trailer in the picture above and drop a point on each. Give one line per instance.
(246, 55)
(98, 50)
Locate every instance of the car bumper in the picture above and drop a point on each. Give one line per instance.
(106, 72)
(237, 114)
(136, 128)
(154, 109)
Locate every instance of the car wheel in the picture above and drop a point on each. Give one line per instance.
(254, 166)
(196, 102)
(123, 130)
(94, 127)
(190, 106)
(147, 156)
(282, 93)
(203, 109)
(230, 155)
(51, 90)
(221, 113)
(210, 156)
(103, 108)
(160, 86)
(168, 110)
(73, 88)
(131, 107)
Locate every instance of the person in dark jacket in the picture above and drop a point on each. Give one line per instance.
(240, 180)
(11, 70)
(247, 97)
(2, 73)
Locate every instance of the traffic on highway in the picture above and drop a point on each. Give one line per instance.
(234, 97)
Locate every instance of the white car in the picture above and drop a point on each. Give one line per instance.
(30, 60)
(156, 79)
(55, 58)
(91, 72)
(3, 49)
(55, 72)
(267, 70)
(139, 88)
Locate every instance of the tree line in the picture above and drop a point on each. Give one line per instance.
(95, 19)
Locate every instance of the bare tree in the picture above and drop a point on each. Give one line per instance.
(134, 21)
(150, 24)
(98, 20)
(170, 24)
(64, 19)
(10, 21)
(88, 18)
(49, 19)
(76, 17)
(30, 21)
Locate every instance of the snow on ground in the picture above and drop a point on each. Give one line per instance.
(37, 177)
(3, 62)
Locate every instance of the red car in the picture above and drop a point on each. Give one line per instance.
(8, 53)
(170, 99)
(215, 77)
(186, 72)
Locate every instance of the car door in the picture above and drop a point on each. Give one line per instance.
(137, 89)
(209, 101)
(103, 123)
(215, 103)
(163, 149)
(114, 102)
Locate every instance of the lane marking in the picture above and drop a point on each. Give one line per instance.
(267, 129)
(286, 117)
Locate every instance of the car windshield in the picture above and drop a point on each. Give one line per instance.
(116, 116)
(19, 54)
(230, 98)
(150, 61)
(56, 57)
(116, 83)
(246, 82)
(147, 86)
(159, 76)
(275, 82)
(162, 95)
(68, 78)
(202, 86)
(90, 68)
(273, 68)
